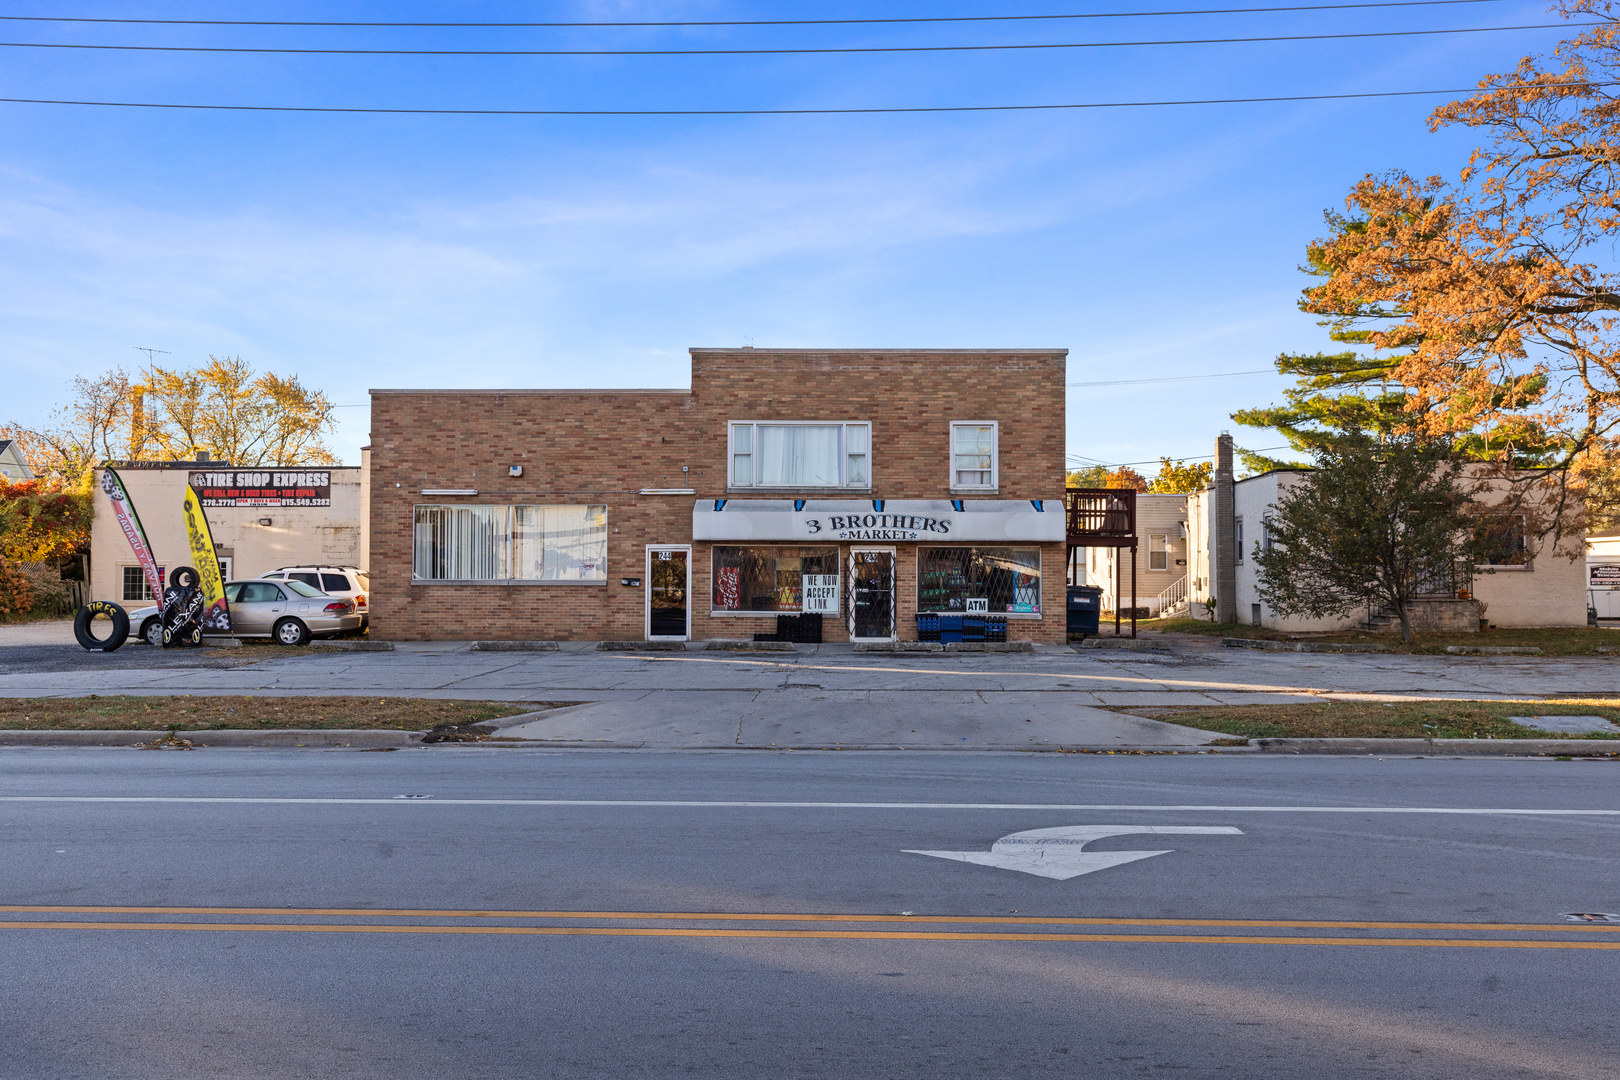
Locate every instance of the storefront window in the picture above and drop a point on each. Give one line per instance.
(1004, 580)
(771, 579)
(510, 543)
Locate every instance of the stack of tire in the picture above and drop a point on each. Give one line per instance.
(181, 618)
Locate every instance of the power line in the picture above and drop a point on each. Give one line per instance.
(1176, 378)
(786, 52)
(1156, 461)
(744, 22)
(885, 110)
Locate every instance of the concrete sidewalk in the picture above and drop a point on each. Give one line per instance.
(816, 696)
(871, 719)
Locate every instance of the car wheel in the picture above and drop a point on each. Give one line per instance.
(291, 632)
(152, 632)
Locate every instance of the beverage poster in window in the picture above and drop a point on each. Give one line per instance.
(728, 588)
(820, 594)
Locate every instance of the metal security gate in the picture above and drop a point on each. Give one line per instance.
(871, 594)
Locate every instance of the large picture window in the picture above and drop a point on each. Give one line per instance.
(768, 579)
(510, 543)
(1007, 579)
(801, 455)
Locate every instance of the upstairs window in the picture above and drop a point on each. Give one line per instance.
(801, 455)
(973, 454)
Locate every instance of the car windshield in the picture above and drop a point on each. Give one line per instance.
(301, 589)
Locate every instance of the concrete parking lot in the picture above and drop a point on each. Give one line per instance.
(817, 696)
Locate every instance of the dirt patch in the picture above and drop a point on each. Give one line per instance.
(214, 713)
(1379, 720)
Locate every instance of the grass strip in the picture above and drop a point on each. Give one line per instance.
(1553, 641)
(1386, 720)
(219, 712)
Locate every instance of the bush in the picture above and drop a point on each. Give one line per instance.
(16, 590)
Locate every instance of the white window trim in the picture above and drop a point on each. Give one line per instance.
(843, 454)
(1166, 553)
(995, 456)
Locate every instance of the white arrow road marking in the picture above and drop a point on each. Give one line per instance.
(1060, 853)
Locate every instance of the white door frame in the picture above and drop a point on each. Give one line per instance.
(894, 599)
(646, 593)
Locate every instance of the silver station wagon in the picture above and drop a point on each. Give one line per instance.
(289, 612)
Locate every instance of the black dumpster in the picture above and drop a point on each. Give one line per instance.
(1085, 608)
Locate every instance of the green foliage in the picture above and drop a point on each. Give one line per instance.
(1380, 520)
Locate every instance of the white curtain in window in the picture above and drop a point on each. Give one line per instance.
(528, 543)
(576, 543)
(798, 455)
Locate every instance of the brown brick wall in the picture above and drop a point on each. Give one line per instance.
(603, 447)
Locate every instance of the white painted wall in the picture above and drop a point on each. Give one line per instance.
(1549, 591)
(330, 535)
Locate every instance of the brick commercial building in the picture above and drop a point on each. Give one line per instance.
(865, 486)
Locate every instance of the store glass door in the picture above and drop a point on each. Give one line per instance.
(668, 583)
(871, 593)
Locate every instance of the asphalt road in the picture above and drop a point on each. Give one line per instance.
(487, 913)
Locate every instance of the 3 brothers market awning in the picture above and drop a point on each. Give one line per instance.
(880, 520)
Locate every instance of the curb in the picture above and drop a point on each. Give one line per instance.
(1126, 644)
(946, 646)
(1427, 747)
(513, 646)
(1494, 650)
(746, 645)
(1266, 645)
(334, 738)
(354, 646)
(641, 646)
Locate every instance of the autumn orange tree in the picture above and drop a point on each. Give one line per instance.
(223, 407)
(1495, 294)
(1101, 476)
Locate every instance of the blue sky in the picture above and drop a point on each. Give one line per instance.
(387, 251)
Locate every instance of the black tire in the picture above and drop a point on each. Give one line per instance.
(184, 577)
(86, 617)
(290, 632)
(152, 632)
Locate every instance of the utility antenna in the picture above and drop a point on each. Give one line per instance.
(150, 352)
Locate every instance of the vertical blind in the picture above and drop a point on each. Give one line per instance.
(510, 543)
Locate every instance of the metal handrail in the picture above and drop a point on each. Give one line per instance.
(1166, 599)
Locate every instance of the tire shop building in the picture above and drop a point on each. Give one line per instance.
(261, 518)
(859, 486)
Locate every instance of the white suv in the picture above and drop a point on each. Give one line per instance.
(344, 581)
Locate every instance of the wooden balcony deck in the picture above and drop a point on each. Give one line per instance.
(1101, 517)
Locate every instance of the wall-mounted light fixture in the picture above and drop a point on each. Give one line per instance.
(264, 521)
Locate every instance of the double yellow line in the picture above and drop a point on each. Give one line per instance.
(669, 924)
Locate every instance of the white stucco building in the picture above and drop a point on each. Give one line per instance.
(1542, 581)
(261, 519)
